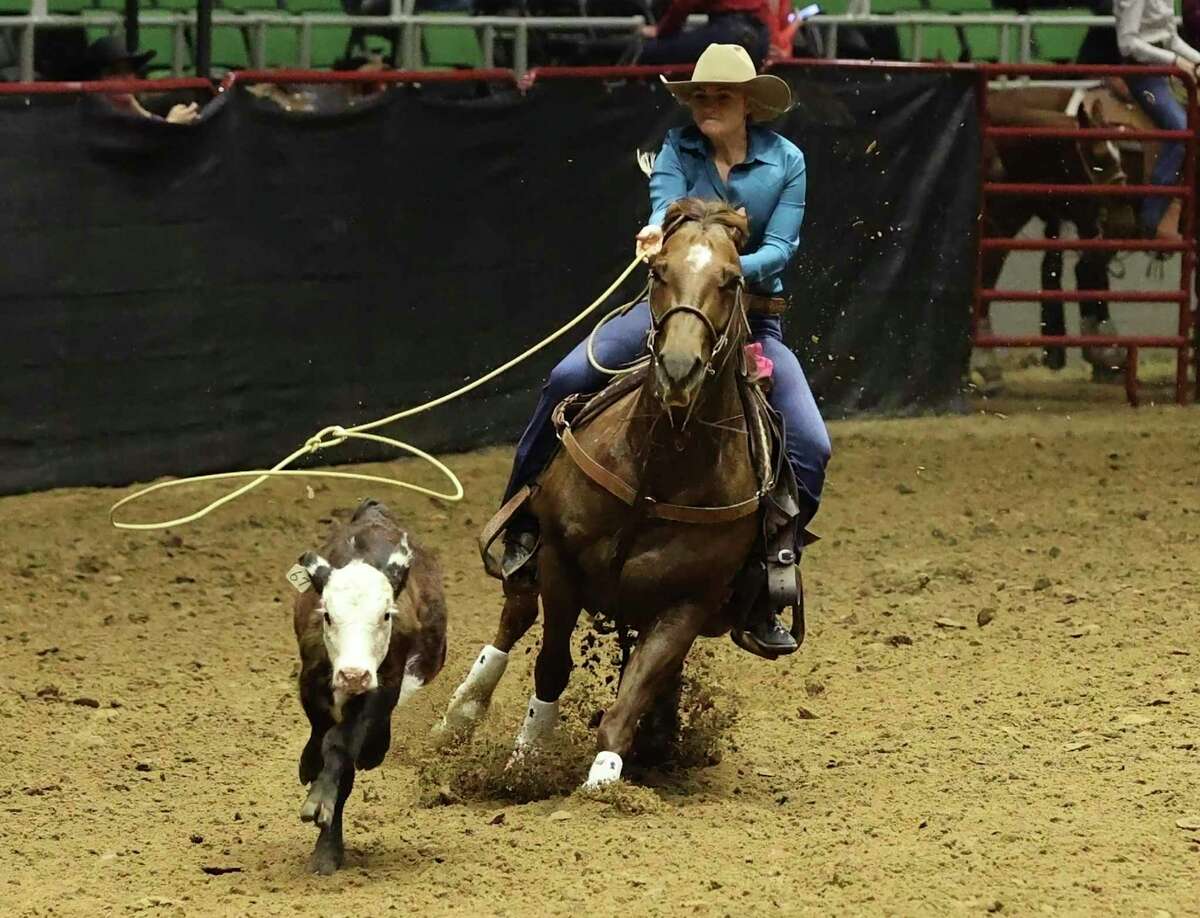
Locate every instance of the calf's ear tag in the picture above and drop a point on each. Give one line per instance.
(297, 576)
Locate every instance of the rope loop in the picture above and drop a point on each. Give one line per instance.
(335, 435)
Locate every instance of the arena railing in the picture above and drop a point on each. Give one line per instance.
(1007, 24)
(1181, 342)
(516, 29)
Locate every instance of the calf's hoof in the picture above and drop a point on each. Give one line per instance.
(326, 858)
(319, 805)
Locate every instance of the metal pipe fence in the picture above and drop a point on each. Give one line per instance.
(1182, 342)
(409, 27)
(516, 29)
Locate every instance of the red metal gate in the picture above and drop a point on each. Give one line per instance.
(1180, 342)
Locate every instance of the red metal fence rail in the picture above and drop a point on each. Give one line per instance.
(1181, 342)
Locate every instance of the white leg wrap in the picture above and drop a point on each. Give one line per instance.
(606, 768)
(471, 699)
(541, 717)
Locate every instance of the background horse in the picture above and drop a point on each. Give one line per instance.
(675, 439)
(1062, 161)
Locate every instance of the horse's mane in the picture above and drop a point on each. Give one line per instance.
(708, 214)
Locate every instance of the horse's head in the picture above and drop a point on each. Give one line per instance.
(695, 296)
(1102, 159)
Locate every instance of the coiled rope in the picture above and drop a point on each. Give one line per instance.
(336, 435)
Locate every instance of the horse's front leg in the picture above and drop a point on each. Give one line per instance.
(655, 662)
(552, 671)
(471, 699)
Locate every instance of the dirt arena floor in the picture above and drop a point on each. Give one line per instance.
(997, 709)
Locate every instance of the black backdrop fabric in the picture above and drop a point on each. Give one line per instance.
(184, 301)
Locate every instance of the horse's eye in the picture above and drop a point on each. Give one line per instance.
(328, 619)
(387, 616)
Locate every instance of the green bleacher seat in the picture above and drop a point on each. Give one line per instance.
(21, 7)
(283, 47)
(69, 6)
(160, 41)
(229, 47)
(451, 46)
(1058, 44)
(938, 43)
(984, 42)
(314, 6)
(250, 6)
(328, 46)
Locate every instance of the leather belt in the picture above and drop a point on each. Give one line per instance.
(759, 305)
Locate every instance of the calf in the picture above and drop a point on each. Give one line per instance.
(371, 628)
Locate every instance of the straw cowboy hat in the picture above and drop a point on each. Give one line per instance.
(768, 96)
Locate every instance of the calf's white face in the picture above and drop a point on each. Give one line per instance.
(357, 615)
(357, 608)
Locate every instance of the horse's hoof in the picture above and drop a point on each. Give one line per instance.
(541, 717)
(326, 859)
(471, 700)
(459, 721)
(318, 806)
(606, 768)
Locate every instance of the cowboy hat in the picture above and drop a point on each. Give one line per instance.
(767, 97)
(111, 50)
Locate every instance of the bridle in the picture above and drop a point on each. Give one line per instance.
(720, 339)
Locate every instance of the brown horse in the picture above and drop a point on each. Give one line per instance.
(674, 441)
(1061, 161)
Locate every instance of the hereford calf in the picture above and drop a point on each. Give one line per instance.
(371, 628)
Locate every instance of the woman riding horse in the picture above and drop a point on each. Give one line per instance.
(1146, 35)
(725, 156)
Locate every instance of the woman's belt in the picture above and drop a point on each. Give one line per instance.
(759, 305)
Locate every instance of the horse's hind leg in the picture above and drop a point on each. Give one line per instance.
(560, 607)
(471, 699)
(656, 661)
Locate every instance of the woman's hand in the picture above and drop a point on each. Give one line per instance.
(649, 241)
(649, 31)
(183, 114)
(1188, 67)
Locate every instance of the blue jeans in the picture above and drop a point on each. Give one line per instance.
(1153, 94)
(622, 341)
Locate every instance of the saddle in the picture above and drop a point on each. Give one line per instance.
(1117, 112)
(771, 568)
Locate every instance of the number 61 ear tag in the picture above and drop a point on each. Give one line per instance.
(297, 576)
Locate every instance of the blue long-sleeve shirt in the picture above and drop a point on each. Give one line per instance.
(770, 184)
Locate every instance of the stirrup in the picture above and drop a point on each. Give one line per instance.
(518, 566)
(748, 642)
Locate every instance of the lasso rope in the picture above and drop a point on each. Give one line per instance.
(591, 339)
(336, 435)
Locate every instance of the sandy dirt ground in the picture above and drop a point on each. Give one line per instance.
(909, 761)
